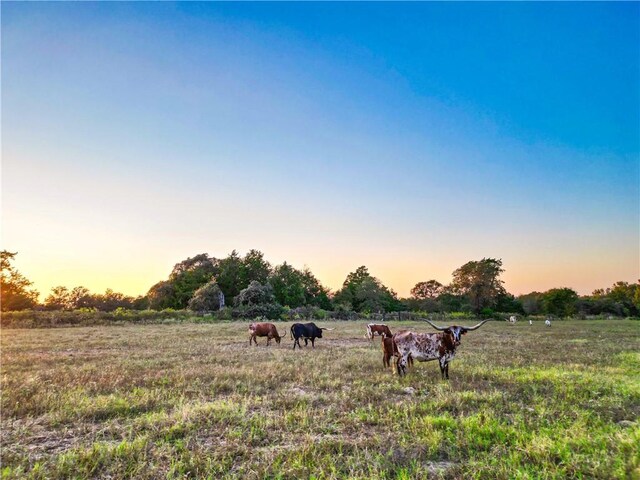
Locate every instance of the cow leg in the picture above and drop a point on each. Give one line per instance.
(297, 340)
(443, 367)
(402, 365)
(446, 370)
(313, 343)
(268, 340)
(306, 342)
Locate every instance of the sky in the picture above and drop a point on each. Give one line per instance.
(407, 137)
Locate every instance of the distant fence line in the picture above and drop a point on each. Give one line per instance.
(85, 317)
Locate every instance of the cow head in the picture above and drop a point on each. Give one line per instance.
(455, 331)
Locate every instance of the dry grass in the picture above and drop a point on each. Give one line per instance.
(175, 401)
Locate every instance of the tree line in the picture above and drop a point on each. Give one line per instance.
(250, 287)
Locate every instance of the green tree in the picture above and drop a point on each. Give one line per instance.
(161, 296)
(531, 303)
(622, 298)
(424, 290)
(346, 296)
(625, 294)
(288, 285)
(362, 292)
(189, 275)
(561, 302)
(207, 298)
(314, 293)
(230, 275)
(257, 301)
(508, 303)
(480, 282)
(14, 287)
(254, 267)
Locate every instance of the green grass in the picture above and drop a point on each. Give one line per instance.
(195, 401)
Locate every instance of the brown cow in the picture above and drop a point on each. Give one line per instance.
(263, 330)
(390, 349)
(379, 329)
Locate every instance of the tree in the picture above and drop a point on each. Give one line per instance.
(288, 286)
(14, 287)
(257, 300)
(161, 296)
(424, 290)
(370, 297)
(508, 303)
(230, 275)
(81, 297)
(207, 298)
(59, 299)
(362, 292)
(189, 275)
(621, 299)
(255, 267)
(111, 300)
(479, 281)
(531, 303)
(346, 296)
(314, 293)
(561, 302)
(625, 294)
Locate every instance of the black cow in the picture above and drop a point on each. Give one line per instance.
(308, 331)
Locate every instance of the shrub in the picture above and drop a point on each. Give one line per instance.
(257, 300)
(207, 298)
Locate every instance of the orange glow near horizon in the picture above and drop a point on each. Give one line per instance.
(135, 273)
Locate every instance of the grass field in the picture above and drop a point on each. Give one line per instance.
(187, 400)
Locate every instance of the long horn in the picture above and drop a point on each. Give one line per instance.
(476, 326)
(442, 329)
(327, 329)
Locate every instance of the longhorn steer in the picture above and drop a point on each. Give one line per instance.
(308, 331)
(430, 346)
(379, 329)
(264, 330)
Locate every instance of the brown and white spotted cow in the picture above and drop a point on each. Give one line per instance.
(378, 329)
(389, 350)
(263, 330)
(430, 346)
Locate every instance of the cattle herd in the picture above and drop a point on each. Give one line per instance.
(406, 346)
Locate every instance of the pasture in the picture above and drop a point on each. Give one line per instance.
(196, 401)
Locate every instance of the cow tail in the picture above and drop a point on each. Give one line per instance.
(291, 332)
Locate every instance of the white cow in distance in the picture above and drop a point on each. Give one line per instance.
(513, 319)
(547, 322)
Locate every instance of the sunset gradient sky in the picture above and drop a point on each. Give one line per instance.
(407, 137)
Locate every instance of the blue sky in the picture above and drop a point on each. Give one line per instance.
(408, 137)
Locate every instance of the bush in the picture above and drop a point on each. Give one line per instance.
(207, 298)
(257, 300)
